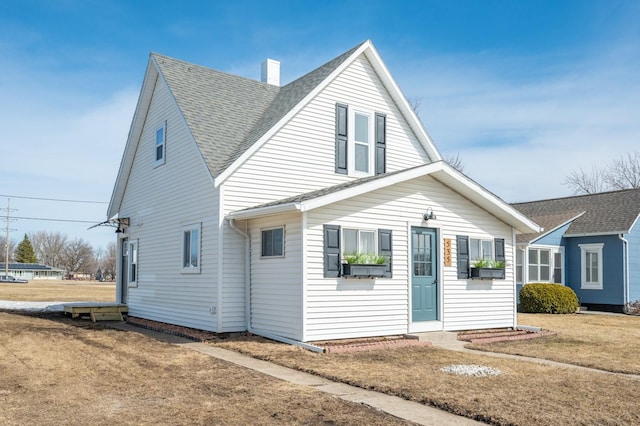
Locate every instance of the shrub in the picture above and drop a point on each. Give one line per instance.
(548, 299)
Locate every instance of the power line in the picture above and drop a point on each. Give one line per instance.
(53, 220)
(55, 199)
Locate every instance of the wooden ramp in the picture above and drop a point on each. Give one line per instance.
(97, 311)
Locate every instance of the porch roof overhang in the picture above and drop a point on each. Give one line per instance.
(439, 170)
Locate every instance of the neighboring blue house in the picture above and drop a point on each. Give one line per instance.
(590, 243)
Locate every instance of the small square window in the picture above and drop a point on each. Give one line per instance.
(273, 242)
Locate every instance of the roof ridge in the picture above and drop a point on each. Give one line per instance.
(595, 194)
(210, 69)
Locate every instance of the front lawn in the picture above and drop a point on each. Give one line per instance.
(606, 342)
(524, 394)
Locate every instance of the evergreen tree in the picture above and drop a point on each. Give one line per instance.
(24, 252)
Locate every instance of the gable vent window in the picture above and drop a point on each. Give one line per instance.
(360, 146)
(161, 143)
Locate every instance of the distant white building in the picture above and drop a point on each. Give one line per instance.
(33, 271)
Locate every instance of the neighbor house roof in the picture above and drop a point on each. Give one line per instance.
(29, 267)
(439, 170)
(612, 212)
(229, 117)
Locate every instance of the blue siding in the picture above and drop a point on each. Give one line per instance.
(634, 262)
(612, 292)
(553, 238)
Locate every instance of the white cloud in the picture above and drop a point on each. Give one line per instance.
(522, 124)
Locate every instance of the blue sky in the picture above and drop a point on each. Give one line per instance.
(523, 91)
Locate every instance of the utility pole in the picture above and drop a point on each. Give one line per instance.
(6, 241)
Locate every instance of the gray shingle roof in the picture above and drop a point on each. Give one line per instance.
(227, 114)
(604, 213)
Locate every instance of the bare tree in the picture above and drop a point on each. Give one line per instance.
(12, 249)
(623, 173)
(415, 104)
(582, 182)
(49, 247)
(106, 260)
(78, 257)
(455, 162)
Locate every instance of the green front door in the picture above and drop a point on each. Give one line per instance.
(424, 277)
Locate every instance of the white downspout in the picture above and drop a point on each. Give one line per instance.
(626, 270)
(247, 309)
(514, 254)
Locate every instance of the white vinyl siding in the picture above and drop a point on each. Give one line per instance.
(343, 308)
(301, 156)
(157, 216)
(276, 282)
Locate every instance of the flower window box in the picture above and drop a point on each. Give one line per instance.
(363, 270)
(487, 273)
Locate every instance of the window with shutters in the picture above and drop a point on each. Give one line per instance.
(360, 141)
(340, 242)
(472, 250)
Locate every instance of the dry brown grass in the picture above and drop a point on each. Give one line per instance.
(59, 291)
(606, 342)
(525, 394)
(73, 373)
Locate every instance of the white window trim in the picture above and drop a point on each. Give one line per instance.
(593, 285)
(492, 251)
(191, 269)
(550, 265)
(351, 141)
(284, 236)
(160, 162)
(347, 228)
(130, 244)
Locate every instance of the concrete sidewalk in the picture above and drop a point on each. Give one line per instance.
(398, 407)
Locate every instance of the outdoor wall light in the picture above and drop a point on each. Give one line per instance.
(429, 215)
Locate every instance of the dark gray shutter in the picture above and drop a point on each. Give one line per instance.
(385, 248)
(381, 143)
(499, 244)
(341, 138)
(462, 247)
(331, 251)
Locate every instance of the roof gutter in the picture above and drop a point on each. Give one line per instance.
(247, 298)
(264, 211)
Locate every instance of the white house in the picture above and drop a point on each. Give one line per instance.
(238, 201)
